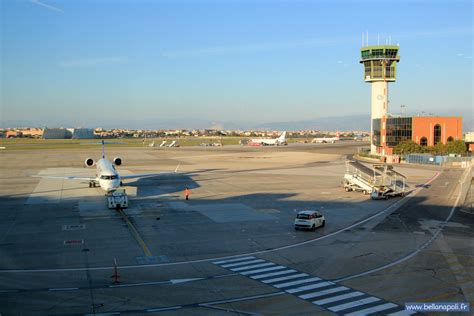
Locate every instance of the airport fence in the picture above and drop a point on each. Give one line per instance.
(427, 159)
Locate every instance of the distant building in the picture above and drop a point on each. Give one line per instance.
(12, 134)
(469, 140)
(82, 133)
(57, 133)
(389, 131)
(32, 132)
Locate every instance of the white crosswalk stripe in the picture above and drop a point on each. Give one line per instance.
(329, 295)
(288, 277)
(324, 292)
(262, 270)
(232, 260)
(309, 287)
(287, 284)
(266, 275)
(338, 298)
(241, 263)
(354, 304)
(260, 265)
(374, 309)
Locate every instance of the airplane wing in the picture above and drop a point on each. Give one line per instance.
(145, 175)
(67, 178)
(149, 175)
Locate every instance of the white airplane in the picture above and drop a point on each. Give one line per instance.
(326, 139)
(269, 141)
(107, 176)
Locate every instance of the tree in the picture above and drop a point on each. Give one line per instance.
(456, 147)
(407, 147)
(439, 149)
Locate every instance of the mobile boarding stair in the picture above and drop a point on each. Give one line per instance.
(358, 177)
(389, 183)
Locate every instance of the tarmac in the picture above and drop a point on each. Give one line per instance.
(232, 248)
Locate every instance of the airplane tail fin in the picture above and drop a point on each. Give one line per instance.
(103, 149)
(282, 137)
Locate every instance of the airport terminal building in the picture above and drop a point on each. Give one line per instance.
(389, 131)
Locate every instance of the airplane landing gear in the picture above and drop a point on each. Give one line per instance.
(91, 184)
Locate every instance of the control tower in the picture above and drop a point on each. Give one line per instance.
(380, 68)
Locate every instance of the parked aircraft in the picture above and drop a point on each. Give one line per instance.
(269, 141)
(326, 139)
(107, 176)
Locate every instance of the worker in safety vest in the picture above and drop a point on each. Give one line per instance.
(186, 193)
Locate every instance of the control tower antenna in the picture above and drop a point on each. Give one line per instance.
(402, 109)
(380, 68)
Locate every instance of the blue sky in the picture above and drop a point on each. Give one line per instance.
(87, 62)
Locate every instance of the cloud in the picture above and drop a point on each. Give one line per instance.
(91, 62)
(47, 6)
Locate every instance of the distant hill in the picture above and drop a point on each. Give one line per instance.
(342, 123)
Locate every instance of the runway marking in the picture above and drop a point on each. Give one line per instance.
(262, 270)
(378, 308)
(338, 298)
(391, 207)
(135, 234)
(64, 289)
(233, 260)
(463, 279)
(354, 304)
(73, 242)
(241, 263)
(74, 227)
(260, 276)
(153, 310)
(253, 266)
(294, 276)
(417, 250)
(280, 285)
(310, 287)
(323, 293)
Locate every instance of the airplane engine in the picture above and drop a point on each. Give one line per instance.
(117, 161)
(89, 162)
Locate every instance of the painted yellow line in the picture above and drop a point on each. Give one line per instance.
(135, 234)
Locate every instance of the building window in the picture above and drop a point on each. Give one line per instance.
(376, 132)
(437, 134)
(450, 139)
(398, 129)
(424, 141)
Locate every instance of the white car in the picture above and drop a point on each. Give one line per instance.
(309, 220)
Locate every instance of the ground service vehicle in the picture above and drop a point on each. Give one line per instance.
(309, 220)
(117, 199)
